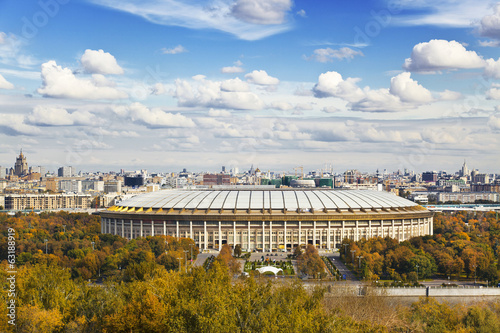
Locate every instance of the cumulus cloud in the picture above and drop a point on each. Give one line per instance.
(261, 78)
(302, 13)
(492, 68)
(234, 85)
(404, 93)
(175, 50)
(216, 94)
(328, 54)
(331, 84)
(219, 113)
(494, 123)
(282, 106)
(261, 11)
(54, 116)
(329, 109)
(490, 24)
(60, 82)
(4, 84)
(153, 118)
(493, 92)
(14, 124)
(100, 62)
(232, 69)
(409, 90)
(439, 54)
(448, 95)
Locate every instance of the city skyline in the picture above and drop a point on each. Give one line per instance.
(106, 85)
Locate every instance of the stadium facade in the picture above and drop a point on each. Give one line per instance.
(268, 219)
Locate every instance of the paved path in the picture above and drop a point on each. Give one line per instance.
(351, 278)
(201, 258)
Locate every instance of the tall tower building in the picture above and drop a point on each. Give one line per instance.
(21, 166)
(465, 171)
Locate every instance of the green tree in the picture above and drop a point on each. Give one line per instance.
(237, 250)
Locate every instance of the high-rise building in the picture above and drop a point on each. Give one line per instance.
(21, 166)
(65, 171)
(2, 172)
(74, 186)
(465, 171)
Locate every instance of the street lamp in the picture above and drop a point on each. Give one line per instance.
(64, 226)
(186, 260)
(416, 266)
(352, 252)
(92, 245)
(46, 240)
(179, 263)
(191, 246)
(359, 261)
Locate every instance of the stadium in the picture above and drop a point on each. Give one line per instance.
(268, 220)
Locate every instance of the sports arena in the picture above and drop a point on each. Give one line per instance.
(269, 220)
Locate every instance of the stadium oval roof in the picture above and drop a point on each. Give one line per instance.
(279, 199)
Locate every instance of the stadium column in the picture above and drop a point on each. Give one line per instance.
(381, 228)
(393, 230)
(152, 228)
(356, 238)
(234, 234)
(328, 238)
(102, 225)
(342, 235)
(191, 230)
(314, 234)
(270, 236)
(142, 235)
(177, 234)
(300, 233)
(115, 225)
(403, 229)
(431, 226)
(131, 229)
(123, 228)
(369, 229)
(205, 236)
(284, 237)
(164, 228)
(263, 236)
(220, 235)
(248, 244)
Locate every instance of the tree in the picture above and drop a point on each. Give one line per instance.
(237, 250)
(227, 259)
(310, 262)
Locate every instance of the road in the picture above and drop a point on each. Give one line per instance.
(350, 277)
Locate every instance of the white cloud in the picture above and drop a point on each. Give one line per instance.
(404, 94)
(448, 95)
(60, 82)
(158, 89)
(10, 51)
(100, 62)
(328, 54)
(329, 109)
(444, 13)
(438, 136)
(494, 122)
(209, 93)
(439, 54)
(490, 24)
(302, 13)
(492, 68)
(232, 69)
(262, 11)
(261, 78)
(4, 84)
(489, 43)
(227, 16)
(54, 116)
(331, 84)
(14, 124)
(409, 90)
(234, 85)
(175, 50)
(219, 113)
(153, 118)
(493, 93)
(282, 106)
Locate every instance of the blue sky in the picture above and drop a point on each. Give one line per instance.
(166, 84)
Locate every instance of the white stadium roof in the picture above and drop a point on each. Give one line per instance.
(278, 199)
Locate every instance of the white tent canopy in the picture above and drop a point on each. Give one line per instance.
(271, 269)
